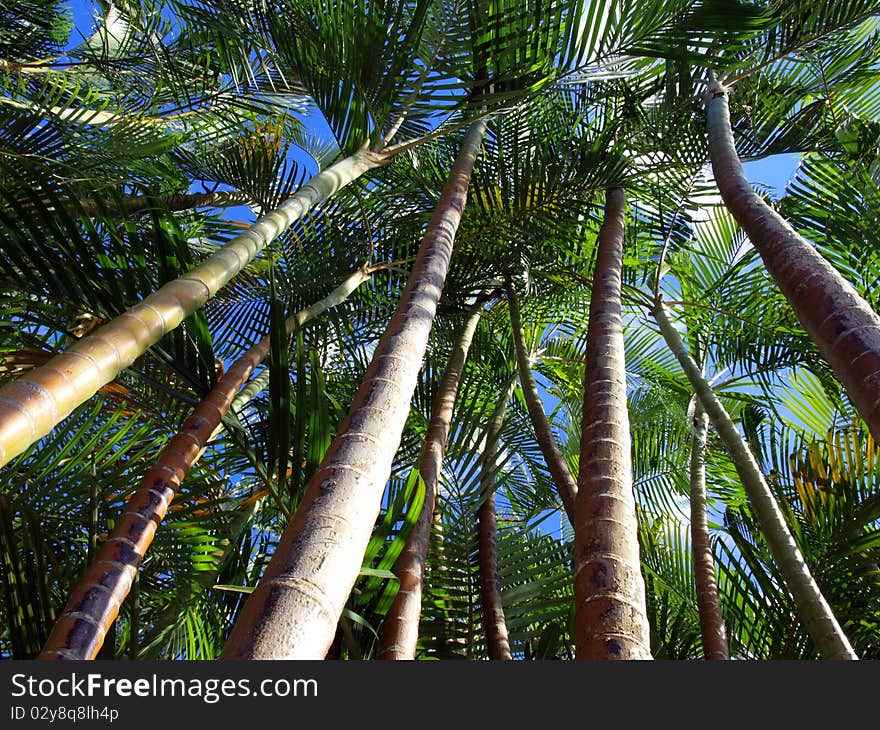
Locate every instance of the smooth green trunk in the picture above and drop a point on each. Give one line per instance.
(559, 471)
(812, 608)
(32, 405)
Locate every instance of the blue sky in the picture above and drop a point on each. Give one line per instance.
(773, 172)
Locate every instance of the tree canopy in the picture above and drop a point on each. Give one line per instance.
(258, 178)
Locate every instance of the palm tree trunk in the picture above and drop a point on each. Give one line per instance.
(611, 620)
(495, 627)
(168, 619)
(841, 323)
(708, 603)
(95, 601)
(400, 629)
(32, 405)
(546, 442)
(134, 204)
(294, 609)
(812, 608)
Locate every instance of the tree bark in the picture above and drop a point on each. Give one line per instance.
(495, 626)
(95, 601)
(33, 404)
(841, 323)
(611, 620)
(552, 455)
(294, 609)
(708, 603)
(812, 608)
(400, 629)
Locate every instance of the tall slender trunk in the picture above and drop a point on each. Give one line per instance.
(841, 323)
(708, 603)
(559, 470)
(134, 204)
(812, 608)
(32, 405)
(95, 601)
(400, 629)
(494, 624)
(294, 609)
(611, 620)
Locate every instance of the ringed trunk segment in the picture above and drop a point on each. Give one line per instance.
(841, 323)
(293, 612)
(812, 608)
(32, 405)
(611, 620)
(556, 464)
(708, 604)
(95, 601)
(494, 623)
(400, 629)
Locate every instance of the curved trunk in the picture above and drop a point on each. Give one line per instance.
(294, 609)
(552, 455)
(841, 323)
(497, 640)
(95, 601)
(400, 629)
(611, 620)
(812, 608)
(32, 405)
(708, 603)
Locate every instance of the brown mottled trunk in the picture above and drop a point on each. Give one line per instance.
(294, 610)
(611, 620)
(400, 629)
(812, 608)
(708, 603)
(841, 323)
(33, 404)
(95, 601)
(495, 627)
(546, 442)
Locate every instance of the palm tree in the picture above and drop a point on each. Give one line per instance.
(812, 606)
(95, 601)
(497, 638)
(33, 404)
(565, 484)
(37, 402)
(106, 150)
(711, 620)
(401, 625)
(840, 322)
(609, 591)
(316, 563)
